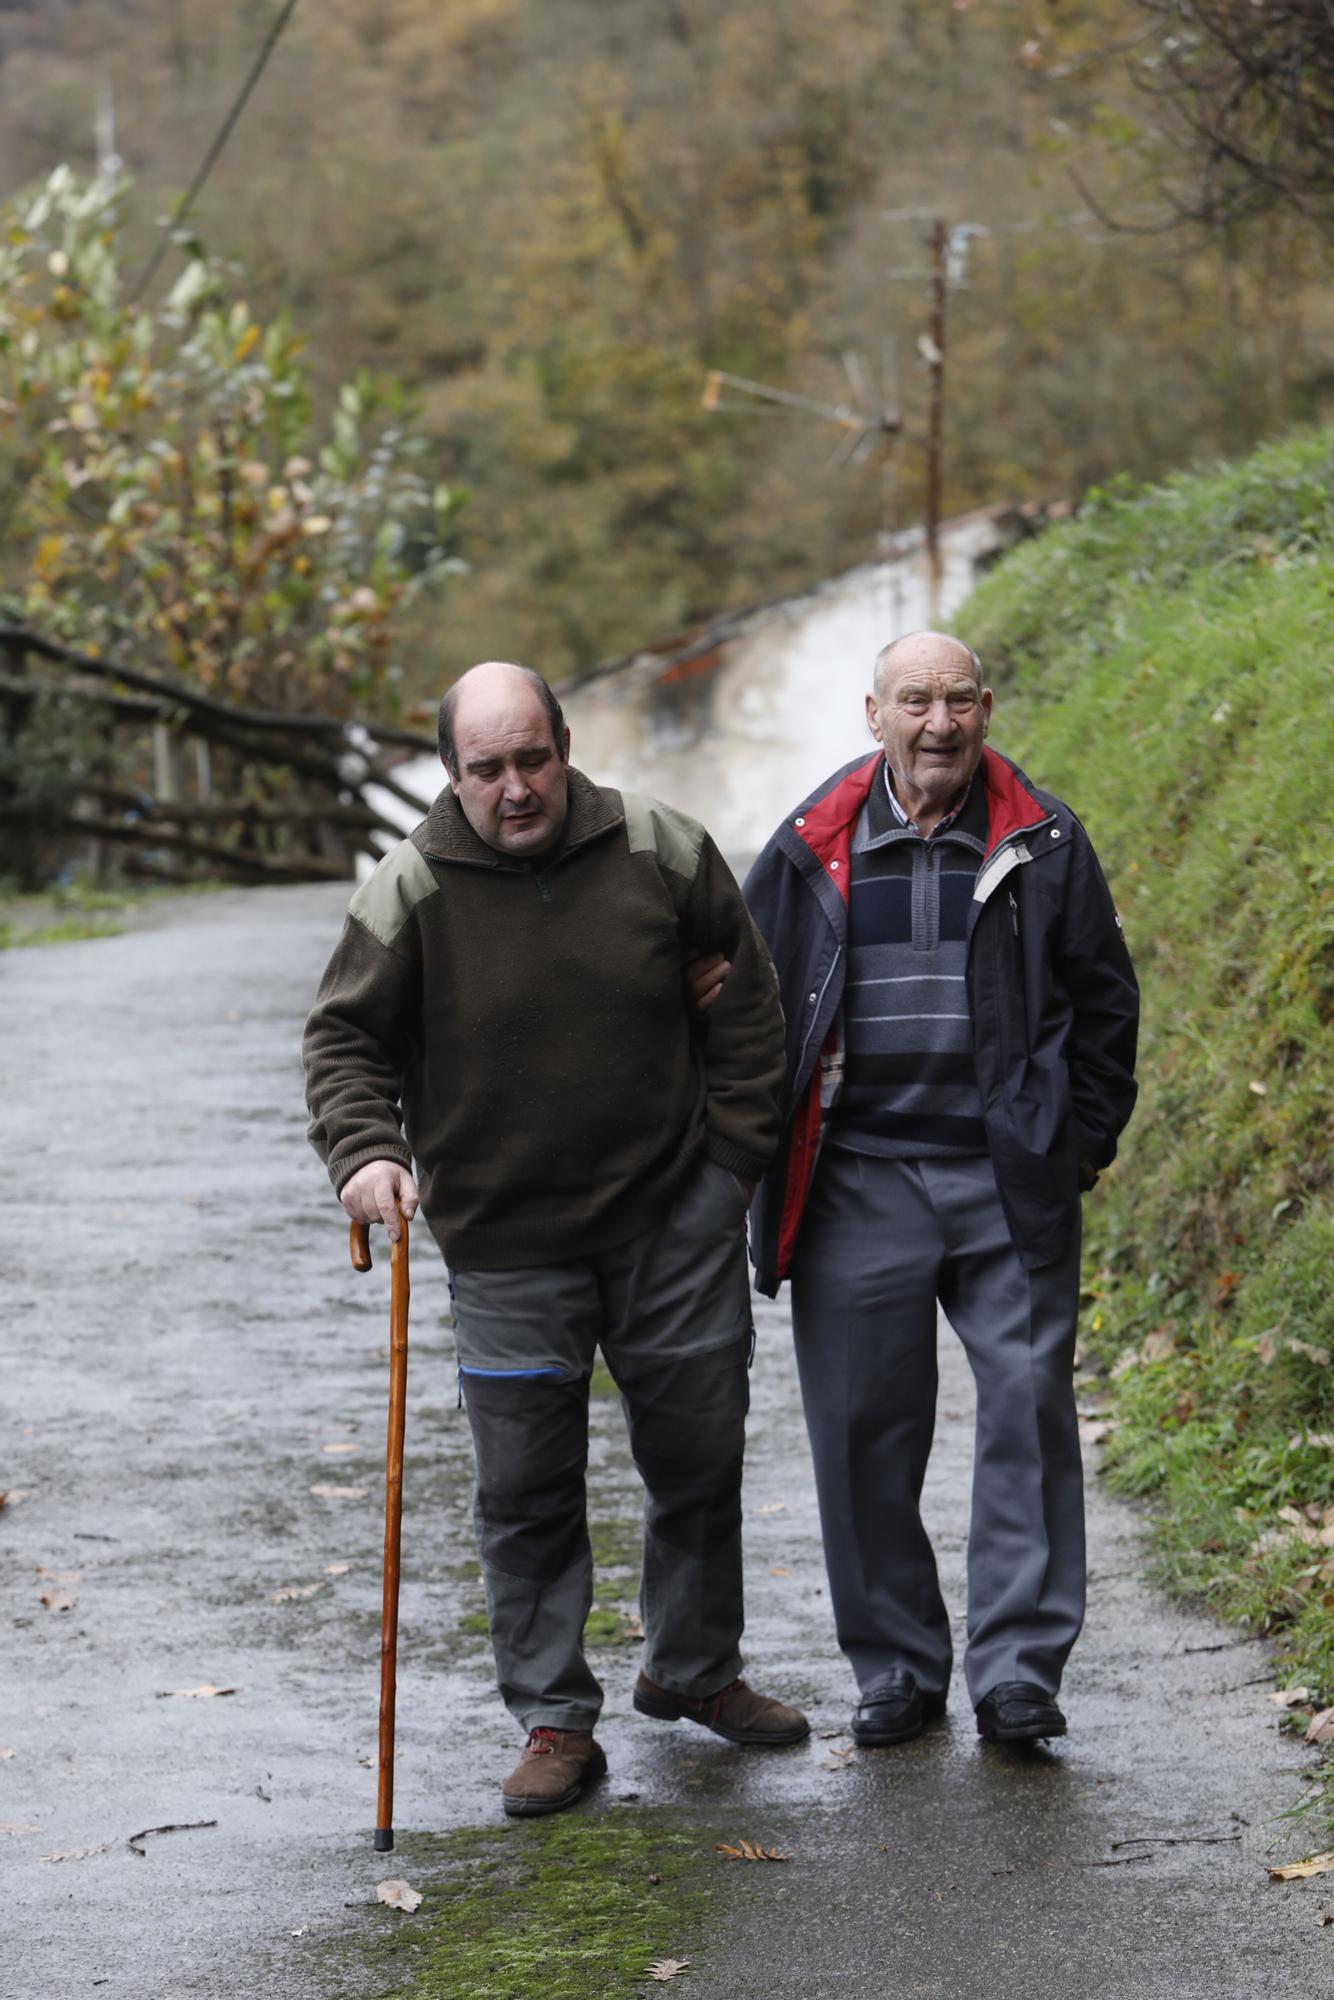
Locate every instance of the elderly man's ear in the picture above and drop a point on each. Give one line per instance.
(704, 979)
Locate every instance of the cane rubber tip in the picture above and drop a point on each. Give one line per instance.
(384, 1840)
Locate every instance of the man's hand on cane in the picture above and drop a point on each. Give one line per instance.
(372, 1192)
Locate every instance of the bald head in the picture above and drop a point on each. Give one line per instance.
(504, 743)
(916, 648)
(492, 683)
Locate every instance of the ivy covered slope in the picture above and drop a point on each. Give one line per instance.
(1166, 663)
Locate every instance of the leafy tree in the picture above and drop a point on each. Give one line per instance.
(1244, 90)
(170, 500)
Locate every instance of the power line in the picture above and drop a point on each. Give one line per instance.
(210, 159)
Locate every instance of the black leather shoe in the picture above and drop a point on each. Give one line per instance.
(1018, 1712)
(893, 1709)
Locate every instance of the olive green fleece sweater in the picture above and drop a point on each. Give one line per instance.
(523, 1031)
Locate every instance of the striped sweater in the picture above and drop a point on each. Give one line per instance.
(909, 1084)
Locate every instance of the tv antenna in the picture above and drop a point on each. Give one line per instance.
(873, 420)
(869, 423)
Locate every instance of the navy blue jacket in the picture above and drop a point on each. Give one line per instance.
(1051, 991)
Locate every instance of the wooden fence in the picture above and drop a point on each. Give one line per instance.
(171, 784)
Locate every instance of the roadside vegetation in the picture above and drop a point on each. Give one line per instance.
(1165, 662)
(551, 218)
(71, 910)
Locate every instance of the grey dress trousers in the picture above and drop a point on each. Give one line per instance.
(883, 1244)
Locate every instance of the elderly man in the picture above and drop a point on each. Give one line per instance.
(506, 1004)
(961, 1023)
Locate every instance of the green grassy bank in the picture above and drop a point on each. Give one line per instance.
(1166, 663)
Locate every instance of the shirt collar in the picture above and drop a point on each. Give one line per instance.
(941, 826)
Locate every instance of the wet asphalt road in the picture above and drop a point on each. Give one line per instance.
(186, 1356)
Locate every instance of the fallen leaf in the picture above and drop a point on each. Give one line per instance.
(666, 1968)
(299, 1933)
(75, 1853)
(751, 1850)
(59, 1575)
(1299, 1526)
(1260, 1089)
(17, 1826)
(1311, 1441)
(634, 1626)
(1300, 1871)
(780, 1572)
(1291, 1697)
(59, 1600)
(838, 1760)
(6, 1753)
(773, 1507)
(1319, 1355)
(398, 1894)
(340, 1492)
(342, 1445)
(337, 1569)
(291, 1591)
(1157, 1346)
(14, 1495)
(1320, 1729)
(1267, 1348)
(192, 1694)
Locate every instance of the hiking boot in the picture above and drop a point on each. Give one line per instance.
(555, 1767)
(736, 1712)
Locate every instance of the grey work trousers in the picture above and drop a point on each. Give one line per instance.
(671, 1312)
(882, 1244)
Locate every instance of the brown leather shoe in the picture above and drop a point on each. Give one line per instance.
(736, 1712)
(555, 1767)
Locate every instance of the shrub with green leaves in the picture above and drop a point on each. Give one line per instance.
(171, 499)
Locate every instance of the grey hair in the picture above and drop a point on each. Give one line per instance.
(883, 656)
(555, 715)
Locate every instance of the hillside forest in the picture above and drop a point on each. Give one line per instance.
(549, 219)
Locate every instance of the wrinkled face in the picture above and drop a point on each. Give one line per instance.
(931, 717)
(512, 780)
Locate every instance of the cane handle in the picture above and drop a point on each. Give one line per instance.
(359, 1245)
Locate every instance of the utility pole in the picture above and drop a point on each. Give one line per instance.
(932, 349)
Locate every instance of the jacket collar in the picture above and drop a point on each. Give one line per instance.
(825, 823)
(592, 810)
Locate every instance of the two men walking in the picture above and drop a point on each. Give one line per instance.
(951, 1063)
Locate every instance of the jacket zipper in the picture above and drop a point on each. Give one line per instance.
(814, 1009)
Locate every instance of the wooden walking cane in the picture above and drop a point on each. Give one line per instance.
(359, 1244)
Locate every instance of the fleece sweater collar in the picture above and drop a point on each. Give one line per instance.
(449, 835)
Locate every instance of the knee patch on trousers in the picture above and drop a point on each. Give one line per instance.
(531, 1443)
(688, 1435)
